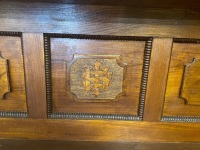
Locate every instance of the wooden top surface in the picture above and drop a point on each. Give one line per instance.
(135, 3)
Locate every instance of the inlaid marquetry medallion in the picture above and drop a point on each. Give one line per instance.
(96, 77)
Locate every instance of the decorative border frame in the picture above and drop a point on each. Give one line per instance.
(145, 70)
(15, 114)
(182, 118)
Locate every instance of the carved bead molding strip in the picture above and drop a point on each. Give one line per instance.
(147, 55)
(4, 66)
(4, 77)
(191, 77)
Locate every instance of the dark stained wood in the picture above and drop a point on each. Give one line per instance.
(89, 19)
(35, 74)
(190, 89)
(62, 52)
(141, 3)
(157, 78)
(15, 100)
(91, 145)
(96, 130)
(182, 54)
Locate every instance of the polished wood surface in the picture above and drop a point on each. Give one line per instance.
(4, 77)
(11, 49)
(182, 54)
(157, 78)
(40, 39)
(91, 145)
(62, 53)
(35, 74)
(99, 130)
(190, 89)
(106, 20)
(192, 4)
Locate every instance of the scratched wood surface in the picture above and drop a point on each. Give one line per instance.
(182, 54)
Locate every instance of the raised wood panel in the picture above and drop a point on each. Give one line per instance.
(175, 107)
(157, 78)
(190, 89)
(33, 45)
(60, 51)
(4, 77)
(14, 101)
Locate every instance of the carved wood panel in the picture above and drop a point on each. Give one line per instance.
(4, 77)
(102, 77)
(190, 90)
(183, 86)
(12, 79)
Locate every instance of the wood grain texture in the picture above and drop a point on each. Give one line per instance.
(159, 63)
(135, 3)
(4, 77)
(91, 19)
(87, 130)
(182, 54)
(190, 89)
(62, 52)
(35, 74)
(96, 78)
(11, 50)
(92, 145)
(103, 21)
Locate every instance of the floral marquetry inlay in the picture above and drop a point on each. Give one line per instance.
(96, 77)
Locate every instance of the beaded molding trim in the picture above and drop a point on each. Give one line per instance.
(15, 114)
(145, 70)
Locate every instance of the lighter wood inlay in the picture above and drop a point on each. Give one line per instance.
(96, 77)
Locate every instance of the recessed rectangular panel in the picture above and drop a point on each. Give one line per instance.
(182, 99)
(96, 75)
(12, 80)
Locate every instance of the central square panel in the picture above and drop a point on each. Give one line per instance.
(95, 76)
